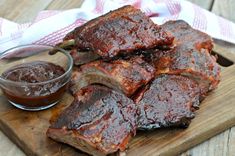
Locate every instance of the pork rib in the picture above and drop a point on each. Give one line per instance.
(122, 75)
(185, 35)
(169, 101)
(119, 32)
(191, 56)
(100, 121)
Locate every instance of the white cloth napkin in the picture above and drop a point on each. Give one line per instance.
(49, 27)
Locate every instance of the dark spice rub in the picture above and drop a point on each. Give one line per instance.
(100, 121)
(119, 32)
(170, 101)
(190, 57)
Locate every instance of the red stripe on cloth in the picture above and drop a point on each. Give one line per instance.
(226, 28)
(57, 36)
(99, 7)
(137, 4)
(200, 19)
(44, 15)
(150, 13)
(174, 9)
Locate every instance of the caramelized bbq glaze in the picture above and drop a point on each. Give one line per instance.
(99, 121)
(170, 101)
(190, 57)
(120, 32)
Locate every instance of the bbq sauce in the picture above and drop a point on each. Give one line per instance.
(41, 91)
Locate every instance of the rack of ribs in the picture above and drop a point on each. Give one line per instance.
(169, 101)
(100, 121)
(190, 57)
(121, 31)
(126, 76)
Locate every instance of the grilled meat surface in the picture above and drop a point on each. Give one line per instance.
(170, 101)
(99, 121)
(119, 32)
(190, 57)
(185, 34)
(123, 75)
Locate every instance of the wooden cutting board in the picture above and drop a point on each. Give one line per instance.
(216, 114)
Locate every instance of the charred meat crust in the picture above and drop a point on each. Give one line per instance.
(190, 57)
(123, 75)
(170, 101)
(99, 119)
(185, 34)
(121, 31)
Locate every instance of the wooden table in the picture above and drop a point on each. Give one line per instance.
(25, 10)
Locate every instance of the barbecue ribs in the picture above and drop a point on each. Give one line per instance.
(122, 75)
(169, 101)
(190, 57)
(121, 31)
(100, 121)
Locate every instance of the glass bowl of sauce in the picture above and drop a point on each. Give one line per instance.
(33, 79)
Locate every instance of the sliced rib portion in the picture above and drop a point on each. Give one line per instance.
(170, 101)
(122, 75)
(119, 32)
(185, 35)
(190, 57)
(100, 121)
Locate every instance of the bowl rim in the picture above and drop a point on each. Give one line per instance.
(68, 69)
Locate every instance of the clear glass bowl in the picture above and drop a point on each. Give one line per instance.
(39, 95)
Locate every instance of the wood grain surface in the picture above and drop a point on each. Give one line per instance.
(23, 11)
(224, 8)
